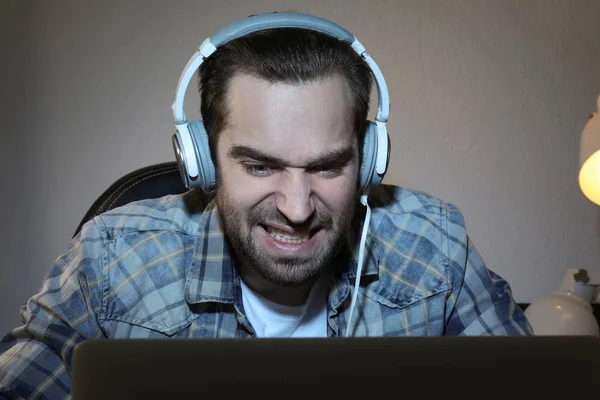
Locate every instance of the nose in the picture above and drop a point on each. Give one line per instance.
(294, 197)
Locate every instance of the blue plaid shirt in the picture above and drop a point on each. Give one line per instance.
(162, 269)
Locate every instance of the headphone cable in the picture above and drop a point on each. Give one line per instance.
(361, 255)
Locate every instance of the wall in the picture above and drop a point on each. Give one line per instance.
(488, 100)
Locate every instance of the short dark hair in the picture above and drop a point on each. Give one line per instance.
(281, 55)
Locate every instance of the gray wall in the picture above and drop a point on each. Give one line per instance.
(488, 101)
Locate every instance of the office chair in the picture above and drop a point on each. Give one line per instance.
(148, 182)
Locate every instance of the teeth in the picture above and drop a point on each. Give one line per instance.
(287, 237)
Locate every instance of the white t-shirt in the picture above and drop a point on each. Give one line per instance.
(270, 319)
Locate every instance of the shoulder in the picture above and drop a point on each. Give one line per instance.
(397, 200)
(408, 207)
(177, 213)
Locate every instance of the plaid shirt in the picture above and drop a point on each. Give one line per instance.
(163, 269)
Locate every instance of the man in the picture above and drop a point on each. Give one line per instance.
(272, 252)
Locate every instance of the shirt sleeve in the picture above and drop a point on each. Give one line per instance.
(35, 358)
(481, 302)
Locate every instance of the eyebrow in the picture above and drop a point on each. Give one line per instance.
(336, 158)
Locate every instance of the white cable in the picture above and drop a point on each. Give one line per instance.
(361, 255)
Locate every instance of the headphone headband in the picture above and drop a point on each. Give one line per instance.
(260, 22)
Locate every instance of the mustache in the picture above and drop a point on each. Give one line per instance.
(262, 215)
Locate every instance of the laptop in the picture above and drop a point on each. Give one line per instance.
(331, 368)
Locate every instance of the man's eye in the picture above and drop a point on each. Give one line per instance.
(258, 170)
(329, 172)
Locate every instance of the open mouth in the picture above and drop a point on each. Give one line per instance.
(298, 237)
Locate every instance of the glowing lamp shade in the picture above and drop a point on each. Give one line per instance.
(589, 158)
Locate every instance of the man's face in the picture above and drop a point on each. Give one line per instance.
(288, 167)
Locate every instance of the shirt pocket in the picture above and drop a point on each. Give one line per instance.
(423, 315)
(146, 307)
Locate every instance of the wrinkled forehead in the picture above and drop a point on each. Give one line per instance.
(290, 120)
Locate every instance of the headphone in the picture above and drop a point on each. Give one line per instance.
(190, 141)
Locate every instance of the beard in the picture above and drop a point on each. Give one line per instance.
(239, 225)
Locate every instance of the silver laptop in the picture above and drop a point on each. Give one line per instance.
(337, 368)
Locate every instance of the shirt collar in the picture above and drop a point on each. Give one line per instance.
(346, 274)
(212, 276)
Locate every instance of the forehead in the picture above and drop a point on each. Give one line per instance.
(291, 121)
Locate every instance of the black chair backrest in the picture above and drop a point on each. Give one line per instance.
(149, 182)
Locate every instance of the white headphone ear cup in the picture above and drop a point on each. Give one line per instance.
(180, 158)
(369, 157)
(206, 169)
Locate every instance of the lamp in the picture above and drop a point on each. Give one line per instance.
(589, 158)
(567, 311)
